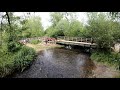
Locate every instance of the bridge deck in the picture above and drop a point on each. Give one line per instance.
(86, 44)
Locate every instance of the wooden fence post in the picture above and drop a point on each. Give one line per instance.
(64, 37)
(81, 40)
(76, 39)
(86, 39)
(91, 40)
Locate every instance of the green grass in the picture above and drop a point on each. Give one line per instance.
(6, 64)
(10, 62)
(111, 59)
(23, 58)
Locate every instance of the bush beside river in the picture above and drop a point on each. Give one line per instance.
(12, 61)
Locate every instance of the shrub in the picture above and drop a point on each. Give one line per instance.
(23, 58)
(10, 47)
(11, 61)
(35, 41)
(6, 63)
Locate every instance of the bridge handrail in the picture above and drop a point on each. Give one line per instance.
(78, 39)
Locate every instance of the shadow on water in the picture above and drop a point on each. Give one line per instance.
(59, 63)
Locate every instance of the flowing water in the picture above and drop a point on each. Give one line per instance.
(59, 63)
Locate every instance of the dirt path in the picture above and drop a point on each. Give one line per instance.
(104, 71)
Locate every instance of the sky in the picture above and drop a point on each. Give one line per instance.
(45, 17)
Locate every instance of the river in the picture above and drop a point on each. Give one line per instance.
(59, 63)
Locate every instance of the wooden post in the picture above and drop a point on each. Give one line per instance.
(91, 40)
(86, 39)
(64, 37)
(70, 38)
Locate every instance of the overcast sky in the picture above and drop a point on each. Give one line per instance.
(45, 16)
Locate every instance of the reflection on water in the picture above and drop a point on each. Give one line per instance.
(59, 63)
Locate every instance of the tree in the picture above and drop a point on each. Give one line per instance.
(32, 27)
(62, 27)
(9, 31)
(55, 18)
(1, 27)
(76, 28)
(99, 28)
(69, 16)
(115, 14)
(65, 23)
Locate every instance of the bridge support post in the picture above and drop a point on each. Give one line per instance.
(71, 38)
(86, 40)
(70, 47)
(81, 39)
(76, 39)
(64, 37)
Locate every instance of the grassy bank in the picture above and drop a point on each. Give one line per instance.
(107, 64)
(111, 59)
(10, 62)
(19, 60)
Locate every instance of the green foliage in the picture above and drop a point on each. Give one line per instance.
(11, 46)
(9, 62)
(109, 58)
(56, 17)
(53, 32)
(75, 29)
(35, 41)
(23, 58)
(6, 63)
(32, 27)
(62, 26)
(101, 29)
(115, 15)
(115, 29)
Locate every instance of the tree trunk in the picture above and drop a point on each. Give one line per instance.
(1, 34)
(10, 29)
(8, 19)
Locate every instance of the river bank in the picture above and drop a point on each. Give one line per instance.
(101, 70)
(11, 62)
(107, 64)
(55, 62)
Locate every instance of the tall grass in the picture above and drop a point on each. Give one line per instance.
(23, 58)
(9, 62)
(112, 59)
